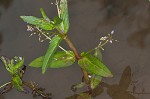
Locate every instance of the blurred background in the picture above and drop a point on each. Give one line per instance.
(89, 19)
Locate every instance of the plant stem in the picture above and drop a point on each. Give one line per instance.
(5, 85)
(72, 47)
(34, 88)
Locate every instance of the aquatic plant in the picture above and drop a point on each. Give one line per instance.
(56, 30)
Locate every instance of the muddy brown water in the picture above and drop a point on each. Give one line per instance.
(128, 59)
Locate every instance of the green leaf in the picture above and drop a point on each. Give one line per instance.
(57, 20)
(98, 54)
(51, 50)
(59, 59)
(92, 65)
(77, 86)
(63, 8)
(44, 14)
(40, 22)
(13, 65)
(19, 63)
(95, 81)
(17, 82)
(84, 96)
(7, 64)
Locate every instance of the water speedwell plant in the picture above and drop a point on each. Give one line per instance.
(55, 30)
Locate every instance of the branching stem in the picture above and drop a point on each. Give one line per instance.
(72, 47)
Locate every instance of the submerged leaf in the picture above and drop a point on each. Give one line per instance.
(95, 81)
(50, 51)
(77, 86)
(84, 96)
(94, 66)
(59, 59)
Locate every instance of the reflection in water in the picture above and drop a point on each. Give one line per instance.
(138, 38)
(1, 38)
(115, 91)
(115, 10)
(5, 3)
(1, 96)
(119, 91)
(97, 91)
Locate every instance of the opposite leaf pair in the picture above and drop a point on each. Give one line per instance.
(13, 66)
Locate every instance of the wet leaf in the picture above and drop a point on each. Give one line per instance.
(95, 81)
(77, 86)
(18, 64)
(13, 66)
(50, 51)
(63, 8)
(59, 59)
(84, 96)
(17, 83)
(94, 66)
(40, 22)
(97, 91)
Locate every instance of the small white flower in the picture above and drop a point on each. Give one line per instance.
(112, 32)
(103, 38)
(29, 28)
(111, 41)
(89, 76)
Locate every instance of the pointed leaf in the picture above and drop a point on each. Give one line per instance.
(51, 50)
(40, 22)
(63, 8)
(59, 59)
(17, 82)
(92, 65)
(44, 14)
(95, 80)
(7, 62)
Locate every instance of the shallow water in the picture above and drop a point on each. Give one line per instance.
(89, 20)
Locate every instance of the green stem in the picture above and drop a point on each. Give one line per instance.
(5, 85)
(99, 46)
